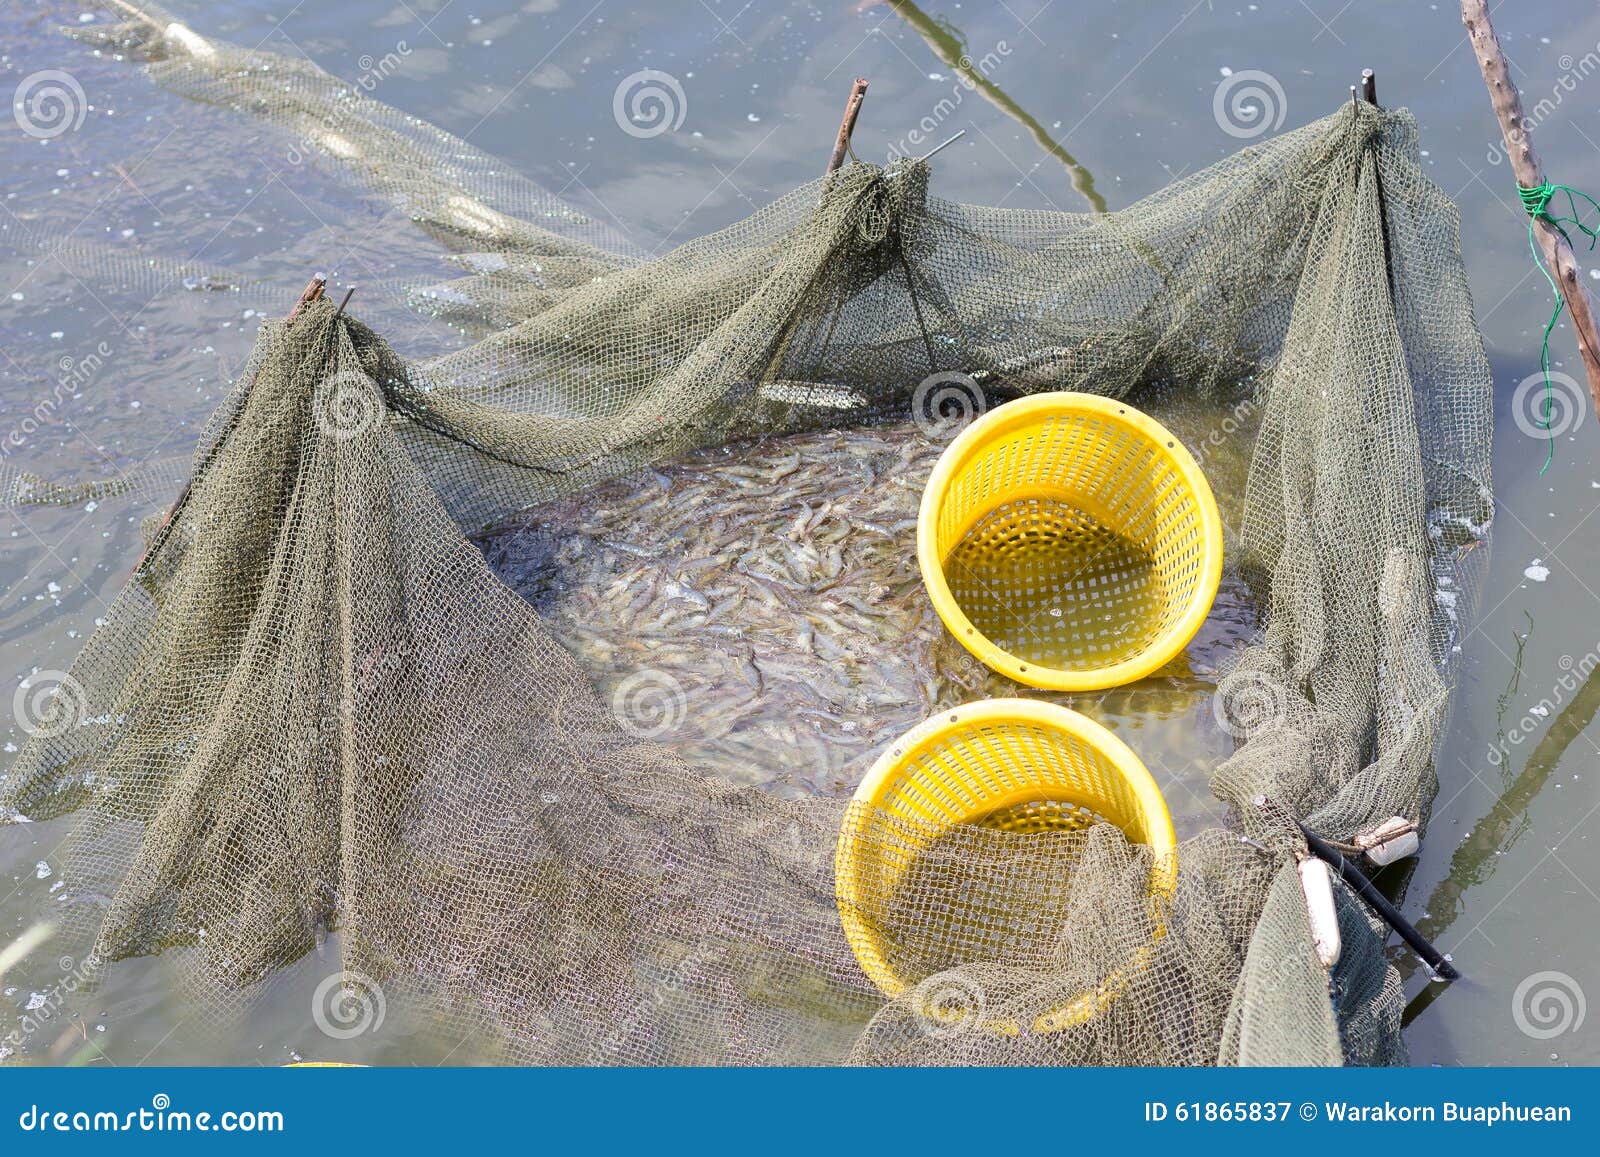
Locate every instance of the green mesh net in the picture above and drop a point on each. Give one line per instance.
(317, 709)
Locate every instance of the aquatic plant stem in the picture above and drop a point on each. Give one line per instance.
(1552, 243)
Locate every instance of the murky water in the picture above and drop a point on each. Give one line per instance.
(102, 369)
(759, 607)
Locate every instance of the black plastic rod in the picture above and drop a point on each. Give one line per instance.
(1365, 888)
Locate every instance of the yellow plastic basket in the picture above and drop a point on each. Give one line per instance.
(1008, 764)
(1070, 542)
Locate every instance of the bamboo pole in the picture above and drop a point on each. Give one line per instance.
(1514, 127)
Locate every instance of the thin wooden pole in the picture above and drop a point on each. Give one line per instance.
(1525, 166)
(852, 109)
(313, 290)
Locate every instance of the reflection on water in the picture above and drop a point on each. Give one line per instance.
(1478, 855)
(225, 225)
(950, 46)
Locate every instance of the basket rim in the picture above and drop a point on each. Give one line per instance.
(1030, 411)
(850, 857)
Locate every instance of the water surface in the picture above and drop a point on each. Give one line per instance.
(1071, 106)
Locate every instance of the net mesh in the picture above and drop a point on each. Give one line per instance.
(315, 709)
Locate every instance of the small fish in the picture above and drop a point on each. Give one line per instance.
(770, 589)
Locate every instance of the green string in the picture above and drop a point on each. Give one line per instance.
(1537, 202)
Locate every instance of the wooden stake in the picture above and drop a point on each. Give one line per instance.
(1526, 168)
(314, 289)
(1369, 86)
(852, 109)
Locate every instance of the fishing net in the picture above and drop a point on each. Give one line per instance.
(315, 709)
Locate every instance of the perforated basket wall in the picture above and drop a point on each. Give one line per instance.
(317, 710)
(1070, 542)
(1008, 765)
